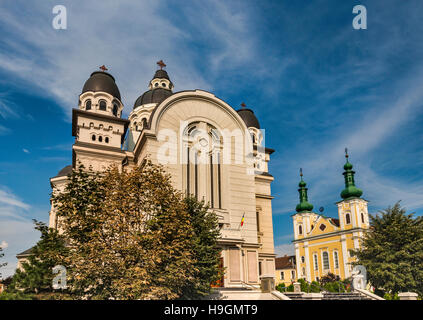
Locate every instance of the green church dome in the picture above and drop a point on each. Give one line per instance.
(350, 191)
(304, 205)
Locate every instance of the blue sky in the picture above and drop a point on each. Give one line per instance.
(315, 84)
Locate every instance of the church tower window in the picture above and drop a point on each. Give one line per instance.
(115, 109)
(93, 137)
(347, 218)
(300, 230)
(88, 105)
(103, 105)
(362, 217)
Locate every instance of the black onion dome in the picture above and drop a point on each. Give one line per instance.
(156, 95)
(161, 74)
(102, 81)
(249, 118)
(65, 171)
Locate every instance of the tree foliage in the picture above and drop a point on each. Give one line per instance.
(36, 275)
(332, 283)
(205, 251)
(392, 251)
(132, 236)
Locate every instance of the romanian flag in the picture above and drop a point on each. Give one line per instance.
(242, 219)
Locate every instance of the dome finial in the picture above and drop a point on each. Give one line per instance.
(304, 205)
(103, 68)
(346, 154)
(243, 105)
(161, 64)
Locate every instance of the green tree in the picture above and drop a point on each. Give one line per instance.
(281, 287)
(332, 283)
(37, 275)
(392, 251)
(205, 250)
(131, 236)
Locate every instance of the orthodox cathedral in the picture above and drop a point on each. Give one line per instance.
(198, 138)
(323, 244)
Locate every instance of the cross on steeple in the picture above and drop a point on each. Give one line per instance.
(243, 105)
(103, 68)
(161, 64)
(346, 153)
(301, 173)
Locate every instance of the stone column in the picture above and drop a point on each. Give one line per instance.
(297, 287)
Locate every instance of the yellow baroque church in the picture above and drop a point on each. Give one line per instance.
(323, 244)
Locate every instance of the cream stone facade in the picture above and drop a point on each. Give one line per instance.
(211, 151)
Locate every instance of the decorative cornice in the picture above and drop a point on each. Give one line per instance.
(97, 116)
(330, 234)
(264, 196)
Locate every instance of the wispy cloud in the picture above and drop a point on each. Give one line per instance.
(16, 228)
(7, 107)
(8, 198)
(4, 244)
(4, 130)
(285, 249)
(60, 147)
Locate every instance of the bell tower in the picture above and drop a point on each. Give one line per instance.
(352, 209)
(159, 89)
(97, 124)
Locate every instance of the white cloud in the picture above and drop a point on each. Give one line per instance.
(4, 244)
(25, 150)
(284, 249)
(138, 31)
(7, 108)
(4, 130)
(9, 199)
(322, 163)
(20, 236)
(16, 229)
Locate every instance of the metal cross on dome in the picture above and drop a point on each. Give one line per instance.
(161, 64)
(243, 105)
(103, 68)
(346, 153)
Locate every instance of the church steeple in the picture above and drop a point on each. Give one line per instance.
(350, 191)
(304, 205)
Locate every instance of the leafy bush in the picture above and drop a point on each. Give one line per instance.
(15, 296)
(281, 287)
